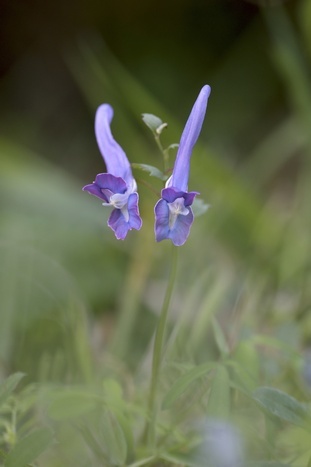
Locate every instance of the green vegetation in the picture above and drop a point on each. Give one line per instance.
(79, 309)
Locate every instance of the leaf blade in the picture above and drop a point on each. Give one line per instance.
(29, 448)
(153, 171)
(219, 398)
(182, 384)
(281, 405)
(8, 386)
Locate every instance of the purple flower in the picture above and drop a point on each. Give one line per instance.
(117, 187)
(173, 213)
(222, 445)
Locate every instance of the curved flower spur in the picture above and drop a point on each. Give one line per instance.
(173, 213)
(117, 187)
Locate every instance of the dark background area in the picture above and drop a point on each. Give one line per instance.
(171, 48)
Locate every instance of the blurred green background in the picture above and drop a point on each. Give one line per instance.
(78, 307)
(69, 291)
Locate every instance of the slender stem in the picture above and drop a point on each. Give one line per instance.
(150, 187)
(158, 347)
(164, 153)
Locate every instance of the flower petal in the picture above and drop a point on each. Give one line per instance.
(181, 229)
(105, 185)
(118, 224)
(170, 195)
(110, 182)
(188, 139)
(125, 219)
(179, 233)
(95, 190)
(134, 217)
(115, 158)
(162, 214)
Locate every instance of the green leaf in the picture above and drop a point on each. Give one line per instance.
(220, 338)
(182, 384)
(114, 439)
(153, 171)
(71, 404)
(199, 207)
(246, 365)
(180, 459)
(142, 462)
(29, 448)
(172, 146)
(219, 398)
(267, 464)
(281, 405)
(8, 386)
(114, 400)
(154, 123)
(113, 391)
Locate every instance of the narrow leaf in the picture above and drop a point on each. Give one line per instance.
(154, 123)
(113, 391)
(29, 448)
(141, 462)
(8, 386)
(220, 338)
(71, 404)
(172, 146)
(126, 427)
(153, 171)
(219, 398)
(182, 384)
(180, 459)
(114, 400)
(246, 365)
(267, 464)
(199, 207)
(281, 405)
(114, 439)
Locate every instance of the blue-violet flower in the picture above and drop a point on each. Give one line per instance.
(173, 213)
(117, 187)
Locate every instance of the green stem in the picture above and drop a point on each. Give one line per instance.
(150, 187)
(158, 347)
(164, 153)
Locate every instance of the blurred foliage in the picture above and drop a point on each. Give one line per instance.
(78, 309)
